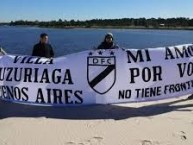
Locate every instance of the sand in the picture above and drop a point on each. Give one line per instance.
(166, 122)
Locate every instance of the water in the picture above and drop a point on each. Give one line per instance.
(20, 40)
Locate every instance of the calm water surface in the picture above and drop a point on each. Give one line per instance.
(20, 40)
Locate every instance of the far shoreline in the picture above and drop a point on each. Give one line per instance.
(106, 27)
(120, 27)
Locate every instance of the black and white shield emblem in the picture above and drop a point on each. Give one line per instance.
(101, 73)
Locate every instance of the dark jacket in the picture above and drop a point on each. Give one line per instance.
(105, 45)
(43, 50)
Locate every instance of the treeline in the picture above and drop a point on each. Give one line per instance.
(124, 22)
(1, 24)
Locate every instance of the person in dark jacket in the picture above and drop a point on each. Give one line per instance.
(108, 42)
(43, 49)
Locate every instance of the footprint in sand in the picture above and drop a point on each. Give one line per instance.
(70, 143)
(93, 141)
(181, 134)
(81, 144)
(146, 142)
(99, 139)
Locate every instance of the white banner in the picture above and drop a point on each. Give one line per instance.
(98, 77)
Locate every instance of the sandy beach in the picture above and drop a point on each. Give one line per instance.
(166, 122)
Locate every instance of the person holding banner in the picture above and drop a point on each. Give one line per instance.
(108, 42)
(43, 49)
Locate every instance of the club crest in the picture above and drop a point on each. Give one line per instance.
(101, 72)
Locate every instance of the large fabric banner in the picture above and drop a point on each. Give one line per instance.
(98, 76)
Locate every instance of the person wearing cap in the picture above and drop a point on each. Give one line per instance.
(43, 48)
(108, 42)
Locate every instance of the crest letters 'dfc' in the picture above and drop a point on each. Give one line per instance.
(101, 73)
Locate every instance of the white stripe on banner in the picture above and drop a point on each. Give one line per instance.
(98, 77)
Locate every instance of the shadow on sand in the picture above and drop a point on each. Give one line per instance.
(8, 109)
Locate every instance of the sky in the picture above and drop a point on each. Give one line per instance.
(46, 10)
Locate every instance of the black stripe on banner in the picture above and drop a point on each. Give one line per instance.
(102, 75)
